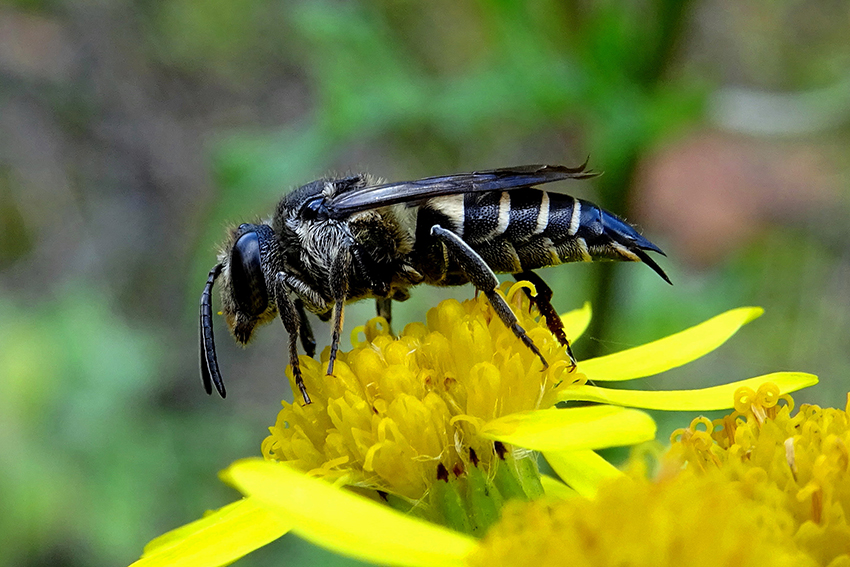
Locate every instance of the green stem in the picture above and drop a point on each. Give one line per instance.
(449, 506)
(484, 501)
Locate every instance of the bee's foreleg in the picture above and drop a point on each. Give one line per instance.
(292, 323)
(482, 277)
(384, 307)
(543, 302)
(308, 342)
(339, 291)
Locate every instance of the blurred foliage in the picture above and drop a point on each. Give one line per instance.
(132, 132)
(370, 78)
(67, 412)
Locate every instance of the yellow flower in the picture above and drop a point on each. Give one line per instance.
(698, 522)
(797, 465)
(401, 413)
(761, 485)
(443, 421)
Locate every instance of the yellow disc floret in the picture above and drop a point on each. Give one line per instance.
(686, 520)
(797, 464)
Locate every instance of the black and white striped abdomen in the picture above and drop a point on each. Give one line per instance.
(525, 229)
(483, 217)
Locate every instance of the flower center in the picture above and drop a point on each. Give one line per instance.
(400, 413)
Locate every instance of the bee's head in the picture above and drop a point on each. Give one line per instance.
(248, 268)
(247, 265)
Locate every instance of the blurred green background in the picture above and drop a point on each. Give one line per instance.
(132, 133)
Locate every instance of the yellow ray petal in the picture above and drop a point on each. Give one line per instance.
(592, 427)
(554, 488)
(345, 522)
(669, 352)
(217, 539)
(705, 399)
(583, 471)
(576, 321)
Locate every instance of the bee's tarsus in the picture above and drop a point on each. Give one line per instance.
(299, 381)
(573, 363)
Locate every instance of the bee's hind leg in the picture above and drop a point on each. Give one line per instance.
(543, 302)
(482, 277)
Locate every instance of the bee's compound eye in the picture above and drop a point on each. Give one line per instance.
(243, 226)
(246, 275)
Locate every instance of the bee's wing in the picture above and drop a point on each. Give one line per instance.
(365, 198)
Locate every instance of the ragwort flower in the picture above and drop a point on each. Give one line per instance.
(761, 485)
(458, 398)
(794, 464)
(442, 421)
(698, 522)
(402, 413)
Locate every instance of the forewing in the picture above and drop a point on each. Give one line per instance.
(491, 180)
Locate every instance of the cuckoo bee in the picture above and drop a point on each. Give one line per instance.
(338, 240)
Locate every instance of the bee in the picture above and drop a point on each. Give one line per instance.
(339, 240)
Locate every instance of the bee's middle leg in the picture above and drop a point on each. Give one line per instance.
(543, 302)
(482, 277)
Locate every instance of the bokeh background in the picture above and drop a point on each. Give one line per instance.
(133, 133)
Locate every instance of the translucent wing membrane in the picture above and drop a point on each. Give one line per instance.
(491, 180)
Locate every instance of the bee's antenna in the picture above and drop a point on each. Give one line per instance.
(209, 364)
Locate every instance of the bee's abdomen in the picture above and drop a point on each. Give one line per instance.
(482, 217)
(525, 229)
(519, 216)
(518, 230)
(528, 229)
